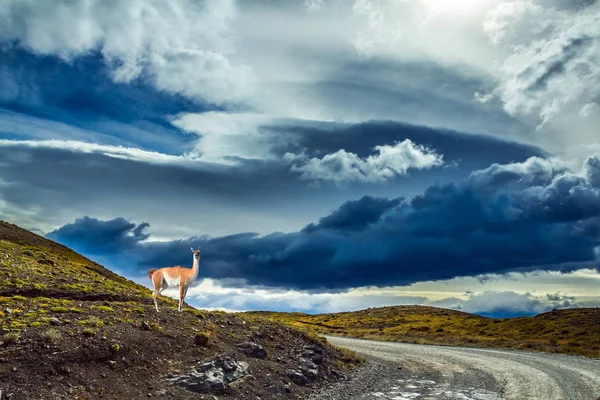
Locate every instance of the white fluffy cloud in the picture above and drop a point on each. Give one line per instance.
(182, 46)
(512, 294)
(388, 163)
(553, 62)
(127, 153)
(226, 137)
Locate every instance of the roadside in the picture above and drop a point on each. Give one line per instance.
(434, 372)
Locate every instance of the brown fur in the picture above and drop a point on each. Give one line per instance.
(152, 271)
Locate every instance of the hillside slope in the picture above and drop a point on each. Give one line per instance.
(572, 331)
(71, 329)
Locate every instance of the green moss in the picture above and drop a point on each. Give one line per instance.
(59, 309)
(91, 321)
(88, 332)
(195, 312)
(115, 347)
(104, 308)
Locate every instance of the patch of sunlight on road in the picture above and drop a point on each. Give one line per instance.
(412, 389)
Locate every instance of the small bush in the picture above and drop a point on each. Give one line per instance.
(51, 336)
(88, 332)
(59, 309)
(11, 337)
(19, 298)
(115, 347)
(91, 321)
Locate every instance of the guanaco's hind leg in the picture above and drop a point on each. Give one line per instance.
(157, 281)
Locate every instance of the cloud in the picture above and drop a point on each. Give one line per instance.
(181, 46)
(390, 162)
(125, 153)
(185, 196)
(534, 220)
(355, 215)
(218, 294)
(226, 138)
(556, 68)
(95, 237)
(508, 304)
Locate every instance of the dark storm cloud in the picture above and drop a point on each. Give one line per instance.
(99, 185)
(93, 236)
(82, 94)
(355, 215)
(465, 229)
(470, 151)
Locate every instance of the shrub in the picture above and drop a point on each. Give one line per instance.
(115, 348)
(19, 298)
(201, 339)
(88, 332)
(11, 337)
(51, 336)
(59, 309)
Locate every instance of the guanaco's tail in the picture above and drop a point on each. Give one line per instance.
(152, 271)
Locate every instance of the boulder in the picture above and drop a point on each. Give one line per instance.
(252, 349)
(297, 377)
(211, 375)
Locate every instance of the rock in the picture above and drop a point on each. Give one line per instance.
(287, 389)
(8, 311)
(201, 339)
(313, 353)
(55, 321)
(211, 375)
(310, 373)
(273, 389)
(252, 349)
(297, 377)
(145, 326)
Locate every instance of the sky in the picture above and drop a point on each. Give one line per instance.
(326, 155)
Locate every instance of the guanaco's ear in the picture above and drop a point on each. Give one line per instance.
(192, 249)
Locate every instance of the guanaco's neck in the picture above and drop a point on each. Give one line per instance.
(195, 267)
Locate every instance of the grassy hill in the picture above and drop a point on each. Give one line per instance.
(572, 331)
(71, 329)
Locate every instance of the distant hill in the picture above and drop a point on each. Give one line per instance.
(71, 329)
(571, 331)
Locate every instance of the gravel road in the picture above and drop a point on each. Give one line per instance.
(405, 371)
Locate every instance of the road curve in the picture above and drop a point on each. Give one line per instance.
(438, 372)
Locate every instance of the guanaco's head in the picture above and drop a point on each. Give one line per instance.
(196, 253)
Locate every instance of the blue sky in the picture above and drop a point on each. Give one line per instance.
(326, 155)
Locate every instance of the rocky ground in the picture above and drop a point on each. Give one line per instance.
(70, 329)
